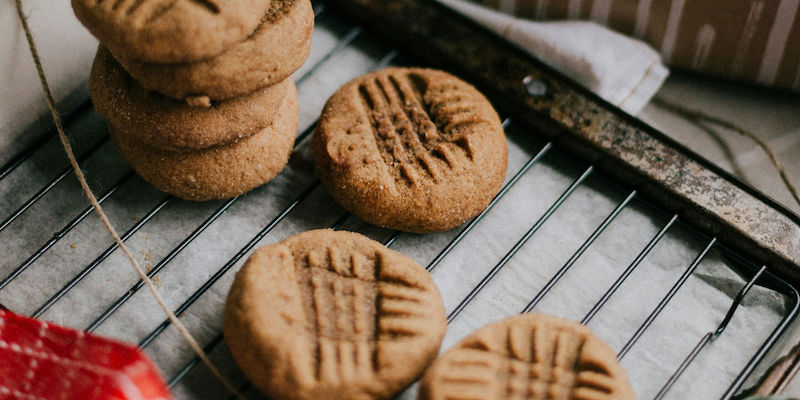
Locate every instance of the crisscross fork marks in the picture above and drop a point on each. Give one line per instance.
(533, 363)
(151, 10)
(133, 7)
(394, 150)
(117, 4)
(209, 4)
(126, 8)
(147, 11)
(450, 108)
(353, 308)
(341, 289)
(546, 362)
(412, 143)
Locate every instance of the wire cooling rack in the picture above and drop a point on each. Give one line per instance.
(75, 276)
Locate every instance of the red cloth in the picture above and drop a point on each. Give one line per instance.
(40, 361)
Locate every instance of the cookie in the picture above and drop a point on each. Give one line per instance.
(416, 150)
(170, 31)
(530, 356)
(332, 315)
(217, 172)
(277, 49)
(170, 124)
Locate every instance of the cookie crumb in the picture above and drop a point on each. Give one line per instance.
(198, 101)
(74, 245)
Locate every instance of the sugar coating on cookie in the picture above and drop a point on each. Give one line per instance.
(531, 356)
(279, 46)
(170, 124)
(218, 172)
(417, 150)
(332, 315)
(170, 31)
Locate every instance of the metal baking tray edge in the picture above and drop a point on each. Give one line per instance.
(621, 145)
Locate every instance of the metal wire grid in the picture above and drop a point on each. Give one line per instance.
(758, 276)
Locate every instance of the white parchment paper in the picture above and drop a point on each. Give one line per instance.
(696, 309)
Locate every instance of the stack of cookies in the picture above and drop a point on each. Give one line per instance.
(197, 94)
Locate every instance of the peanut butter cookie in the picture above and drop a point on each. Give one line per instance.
(332, 315)
(217, 172)
(416, 150)
(170, 124)
(274, 51)
(170, 31)
(531, 356)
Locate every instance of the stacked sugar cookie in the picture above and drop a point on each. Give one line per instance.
(197, 94)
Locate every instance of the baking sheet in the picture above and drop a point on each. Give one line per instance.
(697, 308)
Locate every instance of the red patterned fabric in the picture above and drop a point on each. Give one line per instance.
(40, 361)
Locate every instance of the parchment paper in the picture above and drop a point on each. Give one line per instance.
(66, 50)
(697, 308)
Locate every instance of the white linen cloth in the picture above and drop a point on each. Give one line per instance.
(624, 71)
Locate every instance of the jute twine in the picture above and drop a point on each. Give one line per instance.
(701, 118)
(692, 115)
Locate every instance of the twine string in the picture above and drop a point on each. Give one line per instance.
(692, 115)
(698, 117)
(62, 136)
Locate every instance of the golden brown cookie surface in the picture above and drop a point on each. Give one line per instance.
(169, 124)
(332, 315)
(531, 356)
(170, 31)
(416, 150)
(217, 172)
(274, 51)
